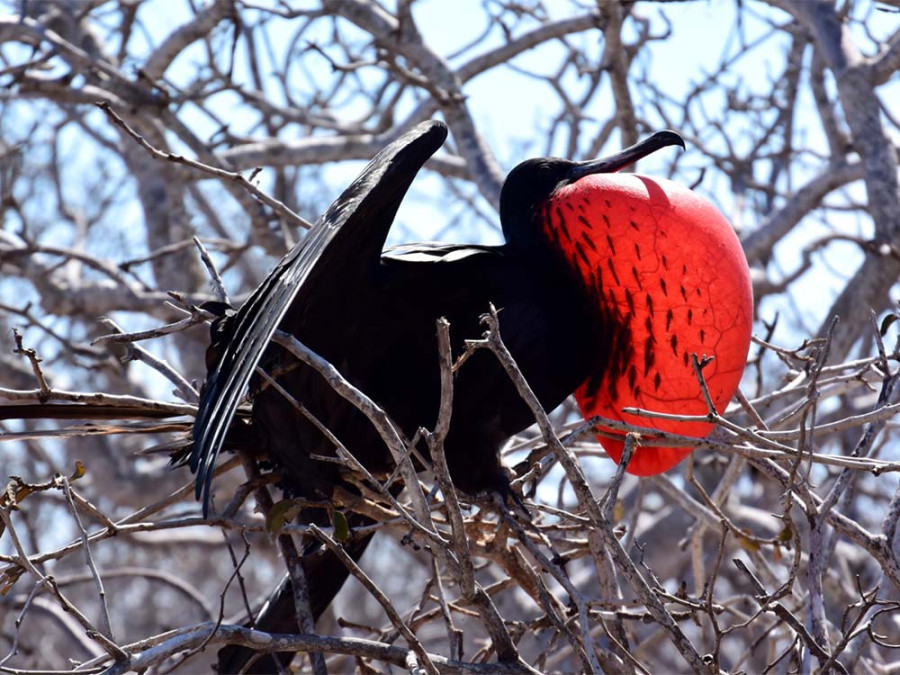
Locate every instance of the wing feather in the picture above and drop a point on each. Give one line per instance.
(353, 230)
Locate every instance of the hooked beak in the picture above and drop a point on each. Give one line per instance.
(626, 157)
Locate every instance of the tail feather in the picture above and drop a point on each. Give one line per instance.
(279, 616)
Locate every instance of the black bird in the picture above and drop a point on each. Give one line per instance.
(372, 314)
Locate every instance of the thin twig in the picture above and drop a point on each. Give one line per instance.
(274, 204)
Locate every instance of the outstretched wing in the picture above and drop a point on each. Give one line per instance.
(353, 231)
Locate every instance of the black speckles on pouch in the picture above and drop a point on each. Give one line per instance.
(612, 269)
(665, 263)
(606, 220)
(657, 380)
(633, 224)
(629, 300)
(584, 221)
(649, 300)
(570, 206)
(637, 277)
(608, 203)
(553, 233)
(649, 357)
(547, 223)
(632, 376)
(687, 360)
(690, 317)
(611, 389)
(683, 269)
(581, 254)
(612, 246)
(674, 343)
(587, 240)
(683, 294)
(669, 316)
(662, 285)
(637, 251)
(562, 224)
(702, 336)
(697, 291)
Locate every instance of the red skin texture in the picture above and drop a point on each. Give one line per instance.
(671, 271)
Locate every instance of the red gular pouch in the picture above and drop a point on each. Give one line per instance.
(667, 270)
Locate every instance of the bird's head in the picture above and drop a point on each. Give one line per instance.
(529, 186)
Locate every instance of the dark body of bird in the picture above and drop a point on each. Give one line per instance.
(377, 326)
(373, 316)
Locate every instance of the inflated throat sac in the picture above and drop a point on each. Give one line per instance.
(670, 273)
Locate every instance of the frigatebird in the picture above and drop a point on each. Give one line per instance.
(568, 315)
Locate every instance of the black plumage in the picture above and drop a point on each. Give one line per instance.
(372, 315)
